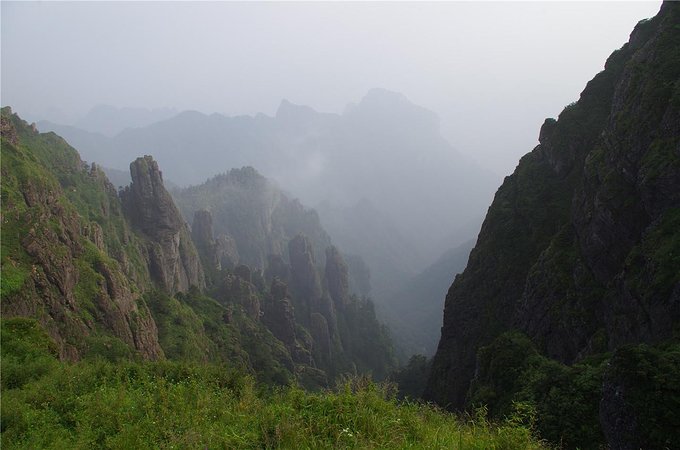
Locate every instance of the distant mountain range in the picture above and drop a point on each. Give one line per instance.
(386, 184)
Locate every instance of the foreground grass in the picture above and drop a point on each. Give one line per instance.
(166, 405)
(128, 405)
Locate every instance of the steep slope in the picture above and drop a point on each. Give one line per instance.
(173, 259)
(580, 248)
(68, 256)
(118, 275)
(254, 212)
(288, 256)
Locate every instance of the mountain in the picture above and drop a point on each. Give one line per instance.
(386, 184)
(278, 240)
(119, 275)
(109, 120)
(255, 213)
(570, 301)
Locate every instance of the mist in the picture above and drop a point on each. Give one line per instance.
(491, 71)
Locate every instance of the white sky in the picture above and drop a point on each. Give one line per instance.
(492, 71)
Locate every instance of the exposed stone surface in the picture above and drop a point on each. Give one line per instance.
(172, 258)
(306, 283)
(255, 213)
(7, 130)
(226, 251)
(237, 289)
(337, 278)
(304, 278)
(321, 336)
(279, 315)
(74, 287)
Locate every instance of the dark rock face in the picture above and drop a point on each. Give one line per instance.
(337, 278)
(216, 254)
(306, 283)
(578, 249)
(322, 337)
(172, 258)
(279, 316)
(304, 279)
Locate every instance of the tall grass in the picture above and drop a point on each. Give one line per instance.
(170, 405)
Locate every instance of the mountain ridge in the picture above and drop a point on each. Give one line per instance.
(578, 252)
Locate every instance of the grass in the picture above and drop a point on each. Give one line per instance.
(100, 404)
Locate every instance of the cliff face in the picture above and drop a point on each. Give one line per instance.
(215, 253)
(172, 258)
(67, 254)
(337, 277)
(580, 250)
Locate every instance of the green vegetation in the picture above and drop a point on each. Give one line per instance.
(650, 380)
(566, 399)
(99, 404)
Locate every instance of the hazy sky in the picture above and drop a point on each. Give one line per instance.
(492, 71)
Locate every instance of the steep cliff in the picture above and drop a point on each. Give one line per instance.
(173, 261)
(579, 250)
(69, 258)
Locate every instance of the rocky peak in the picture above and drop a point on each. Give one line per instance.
(383, 108)
(148, 204)
(7, 130)
(172, 258)
(290, 112)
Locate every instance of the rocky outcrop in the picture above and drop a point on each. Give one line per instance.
(172, 258)
(68, 280)
(337, 278)
(226, 251)
(255, 213)
(202, 235)
(216, 253)
(577, 249)
(279, 315)
(237, 289)
(7, 130)
(322, 338)
(304, 278)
